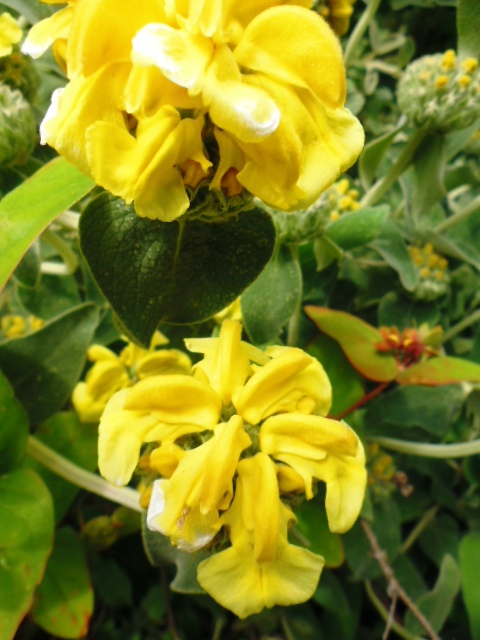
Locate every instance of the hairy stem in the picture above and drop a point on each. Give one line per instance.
(294, 322)
(428, 450)
(421, 525)
(460, 326)
(472, 207)
(359, 31)
(400, 631)
(83, 479)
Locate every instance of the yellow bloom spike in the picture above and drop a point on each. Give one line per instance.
(291, 381)
(10, 34)
(260, 569)
(185, 508)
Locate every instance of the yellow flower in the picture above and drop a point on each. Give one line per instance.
(258, 90)
(10, 34)
(110, 373)
(267, 408)
(260, 569)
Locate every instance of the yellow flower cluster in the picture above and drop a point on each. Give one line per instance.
(338, 14)
(13, 326)
(232, 444)
(432, 271)
(10, 34)
(341, 198)
(112, 372)
(162, 94)
(441, 91)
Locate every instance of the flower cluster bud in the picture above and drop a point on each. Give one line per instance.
(340, 199)
(440, 92)
(433, 275)
(19, 72)
(13, 326)
(18, 131)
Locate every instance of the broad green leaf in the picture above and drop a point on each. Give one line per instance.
(358, 340)
(373, 154)
(357, 228)
(111, 583)
(63, 603)
(14, 427)
(468, 28)
(269, 303)
(429, 164)
(28, 271)
(160, 552)
(441, 537)
(77, 442)
(28, 209)
(469, 556)
(348, 386)
(325, 252)
(26, 537)
(44, 367)
(430, 408)
(339, 620)
(180, 272)
(440, 371)
(315, 535)
(437, 603)
(391, 247)
(52, 296)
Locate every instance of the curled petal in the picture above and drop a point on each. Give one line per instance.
(43, 34)
(166, 361)
(292, 381)
(104, 379)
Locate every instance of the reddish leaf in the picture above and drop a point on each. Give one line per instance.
(358, 340)
(439, 371)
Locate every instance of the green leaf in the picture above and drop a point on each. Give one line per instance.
(77, 442)
(437, 603)
(461, 248)
(468, 28)
(26, 537)
(396, 310)
(391, 247)
(28, 271)
(28, 209)
(325, 252)
(358, 340)
(430, 408)
(440, 537)
(315, 535)
(440, 371)
(111, 583)
(269, 303)
(469, 556)
(44, 366)
(429, 164)
(179, 272)
(160, 552)
(348, 386)
(63, 602)
(373, 154)
(52, 296)
(31, 9)
(357, 228)
(14, 427)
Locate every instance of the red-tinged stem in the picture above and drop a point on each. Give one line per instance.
(366, 398)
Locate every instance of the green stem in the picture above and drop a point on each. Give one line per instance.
(403, 633)
(460, 326)
(294, 322)
(439, 451)
(69, 258)
(359, 31)
(364, 400)
(472, 207)
(83, 479)
(421, 525)
(377, 191)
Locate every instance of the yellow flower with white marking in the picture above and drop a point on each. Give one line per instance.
(230, 443)
(249, 94)
(10, 34)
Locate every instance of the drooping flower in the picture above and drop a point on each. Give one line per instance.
(250, 96)
(10, 34)
(231, 444)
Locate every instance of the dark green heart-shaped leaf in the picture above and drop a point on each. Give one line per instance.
(63, 602)
(44, 366)
(14, 427)
(26, 537)
(179, 272)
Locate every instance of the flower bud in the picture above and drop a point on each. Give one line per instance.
(440, 92)
(18, 131)
(432, 270)
(19, 72)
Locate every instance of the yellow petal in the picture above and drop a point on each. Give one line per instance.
(10, 33)
(43, 34)
(292, 381)
(295, 46)
(230, 156)
(176, 399)
(167, 361)
(165, 459)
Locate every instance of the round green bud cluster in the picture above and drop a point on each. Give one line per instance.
(19, 72)
(440, 92)
(18, 130)
(432, 271)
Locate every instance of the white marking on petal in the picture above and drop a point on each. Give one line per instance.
(156, 506)
(197, 544)
(33, 50)
(51, 113)
(246, 109)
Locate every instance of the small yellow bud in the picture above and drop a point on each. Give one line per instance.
(334, 216)
(438, 275)
(342, 186)
(355, 206)
(443, 263)
(428, 249)
(145, 498)
(425, 272)
(354, 194)
(433, 260)
(448, 61)
(464, 81)
(345, 202)
(470, 65)
(441, 82)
